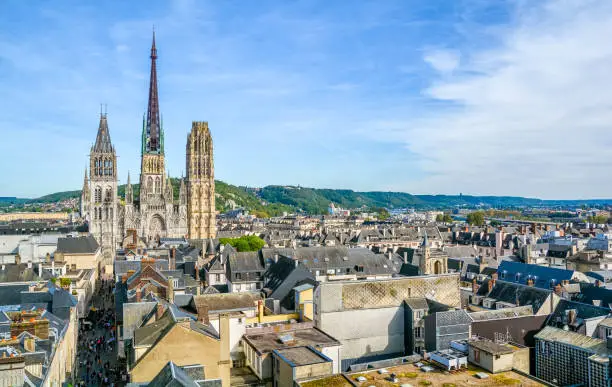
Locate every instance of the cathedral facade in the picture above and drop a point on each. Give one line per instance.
(155, 212)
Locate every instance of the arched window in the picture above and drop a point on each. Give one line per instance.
(98, 195)
(157, 185)
(109, 194)
(150, 184)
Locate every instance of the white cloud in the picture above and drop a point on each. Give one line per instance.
(532, 116)
(444, 61)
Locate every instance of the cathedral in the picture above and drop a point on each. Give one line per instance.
(154, 213)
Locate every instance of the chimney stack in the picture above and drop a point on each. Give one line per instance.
(160, 311)
(138, 294)
(474, 286)
(405, 257)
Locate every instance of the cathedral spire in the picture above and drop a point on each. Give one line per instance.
(153, 128)
(103, 141)
(129, 192)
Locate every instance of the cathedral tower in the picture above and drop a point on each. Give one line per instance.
(152, 171)
(201, 219)
(99, 197)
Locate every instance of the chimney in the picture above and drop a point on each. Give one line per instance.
(197, 272)
(275, 258)
(29, 344)
(260, 310)
(203, 314)
(390, 254)
(494, 276)
(138, 294)
(571, 316)
(491, 284)
(160, 311)
(224, 352)
(296, 262)
(170, 295)
(172, 262)
(475, 286)
(405, 257)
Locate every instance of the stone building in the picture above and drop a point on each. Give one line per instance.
(154, 213)
(200, 182)
(369, 317)
(569, 358)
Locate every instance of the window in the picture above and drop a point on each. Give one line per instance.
(217, 277)
(418, 332)
(238, 276)
(477, 356)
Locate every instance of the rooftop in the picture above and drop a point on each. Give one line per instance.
(595, 346)
(491, 347)
(300, 356)
(268, 342)
(410, 374)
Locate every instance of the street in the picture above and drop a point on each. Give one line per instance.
(97, 348)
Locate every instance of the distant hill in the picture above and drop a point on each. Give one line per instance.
(274, 200)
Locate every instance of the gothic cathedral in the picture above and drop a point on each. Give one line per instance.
(155, 213)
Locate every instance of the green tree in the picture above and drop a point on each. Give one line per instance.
(244, 243)
(261, 214)
(598, 219)
(447, 218)
(383, 214)
(476, 218)
(440, 218)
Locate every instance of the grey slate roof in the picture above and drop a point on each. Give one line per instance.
(543, 276)
(103, 142)
(172, 375)
(78, 245)
(517, 294)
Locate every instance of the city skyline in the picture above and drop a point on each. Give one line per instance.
(417, 98)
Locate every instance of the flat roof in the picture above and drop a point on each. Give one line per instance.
(300, 356)
(410, 374)
(268, 342)
(491, 347)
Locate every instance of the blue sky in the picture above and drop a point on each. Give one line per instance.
(436, 96)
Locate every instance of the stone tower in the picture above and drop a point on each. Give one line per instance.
(153, 177)
(99, 198)
(432, 262)
(201, 219)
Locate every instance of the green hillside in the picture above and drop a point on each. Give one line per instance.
(274, 200)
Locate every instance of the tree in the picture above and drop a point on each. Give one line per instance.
(440, 218)
(476, 218)
(244, 243)
(447, 218)
(598, 219)
(261, 214)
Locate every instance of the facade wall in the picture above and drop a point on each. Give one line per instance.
(312, 370)
(237, 330)
(566, 364)
(521, 360)
(12, 373)
(367, 332)
(335, 355)
(367, 317)
(183, 347)
(283, 372)
(490, 362)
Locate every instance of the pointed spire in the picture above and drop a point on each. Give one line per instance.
(153, 128)
(103, 141)
(129, 192)
(425, 240)
(85, 181)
